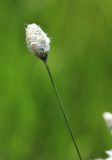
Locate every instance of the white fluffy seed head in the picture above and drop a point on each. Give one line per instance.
(108, 119)
(109, 153)
(37, 41)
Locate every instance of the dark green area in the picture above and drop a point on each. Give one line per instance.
(31, 126)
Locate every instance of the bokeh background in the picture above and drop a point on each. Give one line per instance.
(31, 126)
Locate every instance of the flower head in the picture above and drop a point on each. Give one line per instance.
(37, 41)
(108, 119)
(109, 153)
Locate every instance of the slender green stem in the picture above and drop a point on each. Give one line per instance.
(63, 110)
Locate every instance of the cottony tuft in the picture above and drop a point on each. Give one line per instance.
(108, 119)
(37, 41)
(109, 153)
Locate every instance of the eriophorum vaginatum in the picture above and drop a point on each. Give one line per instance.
(37, 41)
(39, 44)
(108, 119)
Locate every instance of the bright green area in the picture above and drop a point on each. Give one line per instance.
(31, 126)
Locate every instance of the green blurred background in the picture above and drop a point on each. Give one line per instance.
(31, 126)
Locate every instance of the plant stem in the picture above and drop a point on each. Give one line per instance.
(63, 110)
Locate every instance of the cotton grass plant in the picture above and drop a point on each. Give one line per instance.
(108, 120)
(39, 44)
